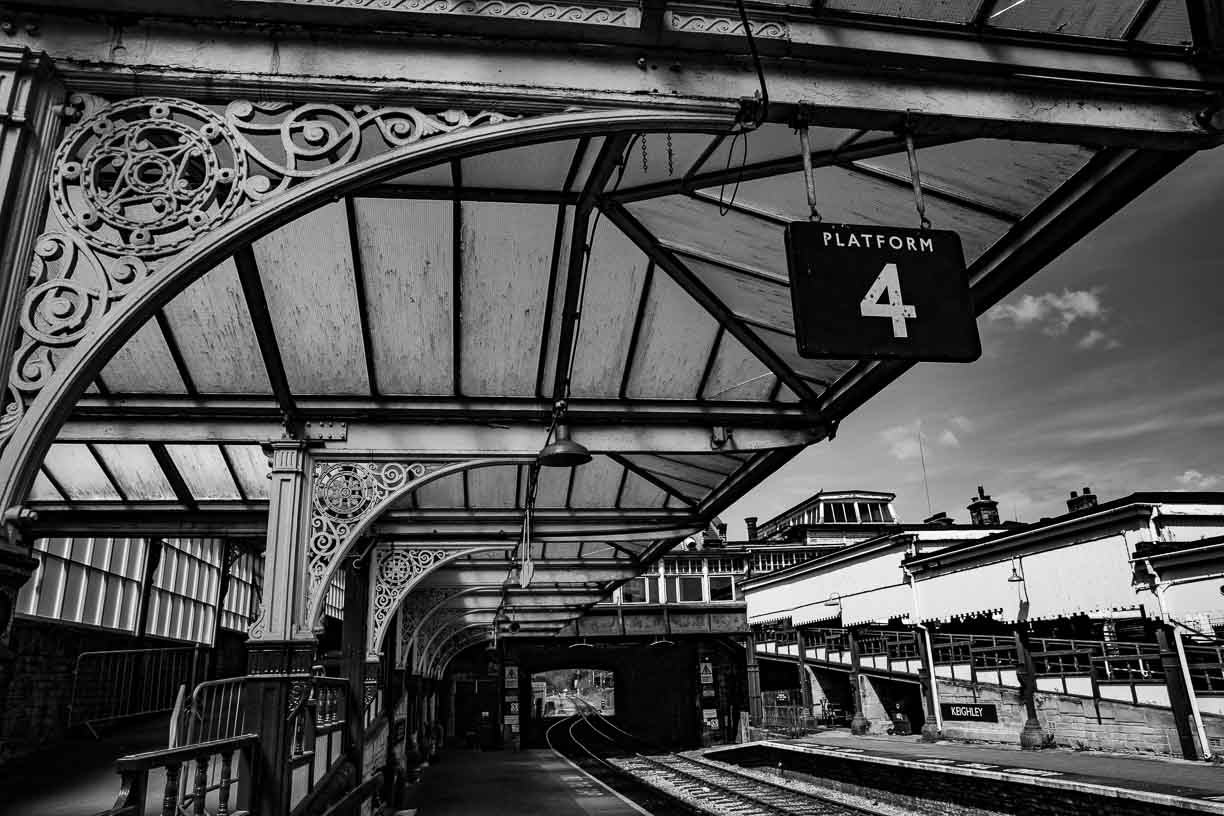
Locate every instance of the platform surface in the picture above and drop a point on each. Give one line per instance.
(1155, 775)
(513, 783)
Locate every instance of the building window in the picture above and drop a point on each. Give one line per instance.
(722, 588)
(684, 589)
(634, 591)
(872, 512)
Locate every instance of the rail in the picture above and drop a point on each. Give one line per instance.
(114, 685)
(213, 711)
(176, 799)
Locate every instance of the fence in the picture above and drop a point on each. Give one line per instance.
(192, 792)
(213, 711)
(125, 683)
(792, 720)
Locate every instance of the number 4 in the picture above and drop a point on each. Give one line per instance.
(872, 304)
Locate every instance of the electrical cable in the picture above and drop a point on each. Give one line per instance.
(763, 108)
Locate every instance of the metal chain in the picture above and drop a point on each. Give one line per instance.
(809, 178)
(912, 156)
(671, 158)
(645, 163)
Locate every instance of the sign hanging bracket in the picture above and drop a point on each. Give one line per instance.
(801, 122)
(911, 155)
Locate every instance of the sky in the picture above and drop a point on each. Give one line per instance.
(1104, 370)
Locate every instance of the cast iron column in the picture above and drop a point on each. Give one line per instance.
(1032, 737)
(755, 711)
(805, 684)
(1179, 695)
(279, 652)
(930, 697)
(858, 723)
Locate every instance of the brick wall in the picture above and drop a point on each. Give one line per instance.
(35, 709)
(1073, 721)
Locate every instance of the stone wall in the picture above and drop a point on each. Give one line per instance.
(1071, 721)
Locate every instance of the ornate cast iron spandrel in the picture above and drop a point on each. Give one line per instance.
(138, 181)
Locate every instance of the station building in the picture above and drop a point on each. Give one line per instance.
(1095, 629)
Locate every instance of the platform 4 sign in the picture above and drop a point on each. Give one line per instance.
(970, 712)
(867, 292)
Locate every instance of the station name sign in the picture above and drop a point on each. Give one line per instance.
(868, 292)
(970, 712)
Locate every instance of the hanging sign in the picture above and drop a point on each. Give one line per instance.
(707, 672)
(868, 292)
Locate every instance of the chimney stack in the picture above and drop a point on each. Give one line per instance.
(983, 510)
(750, 523)
(1081, 502)
(722, 530)
(941, 518)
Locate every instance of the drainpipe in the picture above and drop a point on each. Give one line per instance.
(929, 734)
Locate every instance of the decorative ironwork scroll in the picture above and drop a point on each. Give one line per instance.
(343, 495)
(608, 14)
(456, 646)
(138, 181)
(394, 568)
(418, 604)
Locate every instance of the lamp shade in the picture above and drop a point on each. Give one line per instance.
(563, 451)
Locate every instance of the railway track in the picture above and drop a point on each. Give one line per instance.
(697, 785)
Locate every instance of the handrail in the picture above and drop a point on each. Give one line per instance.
(134, 772)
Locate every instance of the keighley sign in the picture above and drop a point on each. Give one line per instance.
(970, 712)
(866, 292)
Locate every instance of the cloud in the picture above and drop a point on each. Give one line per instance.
(902, 441)
(1052, 312)
(961, 423)
(1197, 480)
(948, 438)
(1095, 338)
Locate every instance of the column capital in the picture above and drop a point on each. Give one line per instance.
(280, 658)
(286, 455)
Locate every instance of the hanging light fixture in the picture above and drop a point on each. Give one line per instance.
(1015, 577)
(559, 450)
(563, 451)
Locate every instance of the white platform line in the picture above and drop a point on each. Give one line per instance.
(602, 784)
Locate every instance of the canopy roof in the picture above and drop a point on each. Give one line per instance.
(446, 295)
(592, 230)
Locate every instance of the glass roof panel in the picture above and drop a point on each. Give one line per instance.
(505, 266)
(1013, 177)
(1086, 18)
(772, 142)
(647, 161)
(735, 237)
(761, 298)
(446, 492)
(492, 486)
(610, 298)
(847, 197)
(251, 467)
(204, 471)
(406, 248)
(558, 299)
(212, 326)
(307, 273)
(144, 365)
(694, 478)
(137, 472)
(553, 487)
(74, 468)
(535, 167)
(43, 490)
(597, 483)
(950, 11)
(1168, 25)
(437, 176)
(822, 372)
(640, 493)
(675, 339)
(737, 374)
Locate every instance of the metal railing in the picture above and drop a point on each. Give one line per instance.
(192, 792)
(113, 685)
(792, 720)
(213, 711)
